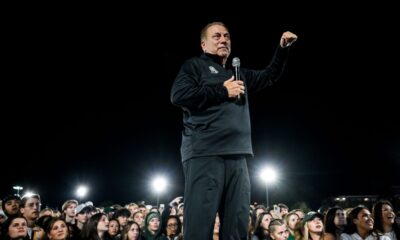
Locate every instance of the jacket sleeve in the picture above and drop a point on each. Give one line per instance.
(260, 79)
(189, 90)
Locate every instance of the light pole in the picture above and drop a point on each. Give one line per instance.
(268, 175)
(18, 188)
(159, 185)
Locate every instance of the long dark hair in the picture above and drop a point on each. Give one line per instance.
(351, 226)
(89, 230)
(329, 221)
(377, 215)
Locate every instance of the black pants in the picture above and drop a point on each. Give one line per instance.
(216, 184)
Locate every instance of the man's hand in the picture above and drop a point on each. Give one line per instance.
(234, 87)
(175, 202)
(287, 39)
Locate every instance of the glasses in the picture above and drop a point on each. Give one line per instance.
(172, 225)
(33, 205)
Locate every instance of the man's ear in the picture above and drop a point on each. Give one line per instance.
(202, 44)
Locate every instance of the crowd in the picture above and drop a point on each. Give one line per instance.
(23, 218)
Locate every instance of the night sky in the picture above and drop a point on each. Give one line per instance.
(87, 101)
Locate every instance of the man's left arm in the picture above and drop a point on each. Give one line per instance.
(257, 80)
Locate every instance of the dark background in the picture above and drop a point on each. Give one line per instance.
(86, 100)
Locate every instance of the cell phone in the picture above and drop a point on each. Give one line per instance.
(162, 205)
(277, 210)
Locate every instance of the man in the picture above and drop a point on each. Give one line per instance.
(29, 209)
(10, 205)
(216, 137)
(68, 209)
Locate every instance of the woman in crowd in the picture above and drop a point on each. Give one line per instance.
(360, 225)
(15, 228)
(384, 217)
(335, 221)
(56, 229)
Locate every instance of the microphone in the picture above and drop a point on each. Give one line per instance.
(236, 65)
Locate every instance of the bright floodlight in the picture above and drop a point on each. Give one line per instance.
(268, 175)
(159, 184)
(81, 191)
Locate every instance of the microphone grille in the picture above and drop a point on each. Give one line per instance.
(236, 62)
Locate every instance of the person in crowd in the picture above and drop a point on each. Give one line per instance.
(311, 227)
(15, 228)
(114, 229)
(360, 225)
(334, 222)
(96, 227)
(152, 227)
(384, 220)
(261, 231)
(172, 228)
(30, 208)
(57, 229)
(10, 205)
(291, 219)
(68, 210)
(278, 230)
(131, 231)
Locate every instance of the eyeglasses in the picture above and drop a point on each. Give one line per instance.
(172, 225)
(32, 205)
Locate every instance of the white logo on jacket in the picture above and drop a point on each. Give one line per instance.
(213, 70)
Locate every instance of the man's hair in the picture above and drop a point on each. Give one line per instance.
(25, 198)
(203, 33)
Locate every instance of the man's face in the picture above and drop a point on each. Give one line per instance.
(12, 206)
(217, 41)
(70, 210)
(31, 209)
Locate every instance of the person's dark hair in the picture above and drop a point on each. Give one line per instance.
(119, 226)
(8, 198)
(351, 226)
(377, 215)
(89, 230)
(203, 33)
(329, 220)
(259, 231)
(178, 231)
(123, 212)
(43, 221)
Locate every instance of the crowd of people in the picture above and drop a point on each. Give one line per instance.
(23, 218)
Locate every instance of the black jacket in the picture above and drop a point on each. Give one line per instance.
(213, 123)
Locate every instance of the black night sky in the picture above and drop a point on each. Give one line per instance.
(87, 101)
